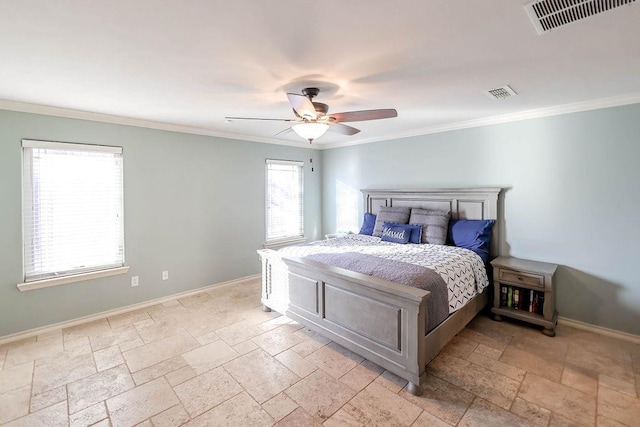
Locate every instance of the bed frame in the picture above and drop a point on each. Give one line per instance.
(382, 321)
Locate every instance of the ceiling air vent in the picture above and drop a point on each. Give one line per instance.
(549, 14)
(501, 92)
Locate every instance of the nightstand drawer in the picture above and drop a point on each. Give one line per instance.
(519, 278)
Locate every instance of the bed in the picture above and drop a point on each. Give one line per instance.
(381, 320)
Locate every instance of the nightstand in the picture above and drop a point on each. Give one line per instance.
(525, 290)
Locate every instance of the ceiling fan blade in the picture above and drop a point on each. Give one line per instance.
(284, 132)
(360, 116)
(343, 129)
(303, 106)
(258, 118)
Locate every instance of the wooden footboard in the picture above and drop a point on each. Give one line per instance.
(382, 321)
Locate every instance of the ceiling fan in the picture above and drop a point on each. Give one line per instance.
(312, 119)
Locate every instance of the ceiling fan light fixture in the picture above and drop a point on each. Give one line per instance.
(312, 121)
(310, 130)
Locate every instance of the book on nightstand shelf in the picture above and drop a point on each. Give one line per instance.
(503, 296)
(522, 299)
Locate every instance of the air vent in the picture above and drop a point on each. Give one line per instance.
(501, 92)
(549, 14)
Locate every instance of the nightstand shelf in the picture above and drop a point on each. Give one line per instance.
(525, 290)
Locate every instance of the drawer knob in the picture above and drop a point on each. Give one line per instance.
(520, 278)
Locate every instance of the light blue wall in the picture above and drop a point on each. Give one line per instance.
(194, 205)
(573, 197)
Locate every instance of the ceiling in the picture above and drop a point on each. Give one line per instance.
(189, 63)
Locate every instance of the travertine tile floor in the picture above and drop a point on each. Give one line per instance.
(217, 359)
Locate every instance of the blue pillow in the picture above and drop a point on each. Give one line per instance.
(474, 234)
(395, 233)
(416, 230)
(367, 224)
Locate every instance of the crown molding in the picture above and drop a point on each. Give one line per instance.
(47, 110)
(577, 107)
(596, 104)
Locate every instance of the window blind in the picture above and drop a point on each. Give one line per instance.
(285, 198)
(72, 209)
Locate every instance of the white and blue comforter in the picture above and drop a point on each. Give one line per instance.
(461, 269)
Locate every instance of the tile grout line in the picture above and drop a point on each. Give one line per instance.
(106, 408)
(420, 413)
(635, 376)
(452, 384)
(475, 396)
(33, 374)
(414, 421)
(437, 417)
(516, 396)
(564, 367)
(517, 392)
(357, 392)
(104, 402)
(468, 407)
(66, 392)
(300, 406)
(177, 397)
(215, 406)
(595, 421)
(300, 378)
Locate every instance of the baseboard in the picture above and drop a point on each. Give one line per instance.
(599, 330)
(90, 318)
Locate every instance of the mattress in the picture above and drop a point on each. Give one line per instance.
(462, 270)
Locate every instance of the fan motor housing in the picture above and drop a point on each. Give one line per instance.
(311, 92)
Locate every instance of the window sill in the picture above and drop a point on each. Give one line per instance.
(282, 243)
(46, 283)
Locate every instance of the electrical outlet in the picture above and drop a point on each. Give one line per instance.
(134, 281)
(165, 275)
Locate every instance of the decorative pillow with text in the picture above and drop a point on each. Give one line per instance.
(416, 230)
(395, 234)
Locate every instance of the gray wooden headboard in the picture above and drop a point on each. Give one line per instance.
(463, 203)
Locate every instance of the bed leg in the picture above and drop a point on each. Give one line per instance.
(265, 308)
(416, 390)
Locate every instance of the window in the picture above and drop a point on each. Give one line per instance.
(285, 194)
(72, 211)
